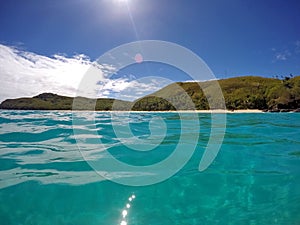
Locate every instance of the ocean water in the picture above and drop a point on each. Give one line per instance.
(46, 177)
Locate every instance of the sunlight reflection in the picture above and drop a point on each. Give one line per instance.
(125, 211)
(123, 223)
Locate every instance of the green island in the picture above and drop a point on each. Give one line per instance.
(247, 92)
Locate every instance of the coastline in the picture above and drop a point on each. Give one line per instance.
(165, 111)
(227, 111)
(190, 111)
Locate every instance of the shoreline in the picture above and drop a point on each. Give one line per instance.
(132, 111)
(194, 111)
(162, 111)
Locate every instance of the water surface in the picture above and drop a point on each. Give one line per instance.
(44, 179)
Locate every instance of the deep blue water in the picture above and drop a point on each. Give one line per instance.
(46, 179)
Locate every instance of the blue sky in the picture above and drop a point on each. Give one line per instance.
(234, 37)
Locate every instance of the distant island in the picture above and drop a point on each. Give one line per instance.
(248, 92)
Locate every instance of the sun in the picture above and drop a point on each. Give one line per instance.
(120, 2)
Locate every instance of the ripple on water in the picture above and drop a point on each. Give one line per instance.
(255, 179)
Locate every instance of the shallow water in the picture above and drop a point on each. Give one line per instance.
(45, 179)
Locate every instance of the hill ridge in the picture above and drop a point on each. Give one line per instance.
(246, 92)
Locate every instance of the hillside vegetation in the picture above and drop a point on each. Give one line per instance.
(49, 101)
(247, 92)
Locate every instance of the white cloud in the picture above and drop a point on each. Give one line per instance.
(286, 53)
(26, 74)
(130, 89)
(282, 55)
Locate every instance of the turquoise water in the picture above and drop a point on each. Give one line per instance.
(255, 178)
